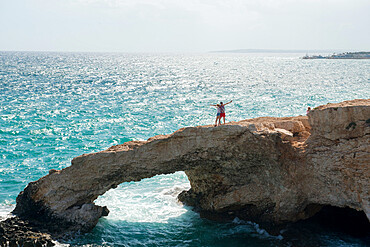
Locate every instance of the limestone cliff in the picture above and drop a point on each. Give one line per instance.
(338, 155)
(269, 170)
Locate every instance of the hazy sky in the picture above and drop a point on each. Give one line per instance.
(183, 26)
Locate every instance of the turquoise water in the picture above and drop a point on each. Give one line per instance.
(55, 106)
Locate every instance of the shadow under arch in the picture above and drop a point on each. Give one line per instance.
(346, 220)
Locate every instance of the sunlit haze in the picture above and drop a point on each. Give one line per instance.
(183, 26)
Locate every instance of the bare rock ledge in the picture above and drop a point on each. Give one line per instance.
(268, 170)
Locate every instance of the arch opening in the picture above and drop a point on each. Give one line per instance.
(149, 200)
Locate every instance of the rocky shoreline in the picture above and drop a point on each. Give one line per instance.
(267, 170)
(346, 55)
(17, 232)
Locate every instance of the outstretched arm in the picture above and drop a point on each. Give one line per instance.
(213, 105)
(229, 102)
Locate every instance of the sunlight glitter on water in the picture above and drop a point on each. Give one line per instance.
(56, 106)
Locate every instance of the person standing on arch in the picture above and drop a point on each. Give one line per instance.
(221, 112)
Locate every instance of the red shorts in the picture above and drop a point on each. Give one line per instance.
(222, 114)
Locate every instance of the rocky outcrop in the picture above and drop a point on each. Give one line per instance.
(17, 232)
(338, 155)
(268, 170)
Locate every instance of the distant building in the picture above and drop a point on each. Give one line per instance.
(346, 55)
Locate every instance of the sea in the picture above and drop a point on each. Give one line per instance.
(55, 106)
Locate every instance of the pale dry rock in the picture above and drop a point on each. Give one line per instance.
(268, 170)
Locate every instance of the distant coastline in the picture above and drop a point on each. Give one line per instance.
(274, 51)
(345, 55)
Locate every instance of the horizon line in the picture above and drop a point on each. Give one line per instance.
(212, 51)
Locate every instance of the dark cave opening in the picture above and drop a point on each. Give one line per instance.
(345, 220)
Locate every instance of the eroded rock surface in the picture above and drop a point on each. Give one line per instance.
(268, 170)
(17, 232)
(338, 155)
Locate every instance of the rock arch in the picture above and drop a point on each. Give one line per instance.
(262, 169)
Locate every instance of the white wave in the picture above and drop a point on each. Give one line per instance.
(5, 211)
(263, 233)
(57, 244)
(150, 200)
(254, 227)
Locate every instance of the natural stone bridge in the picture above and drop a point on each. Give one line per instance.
(272, 170)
